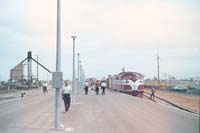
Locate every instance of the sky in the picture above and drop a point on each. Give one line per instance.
(111, 34)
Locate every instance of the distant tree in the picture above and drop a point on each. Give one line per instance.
(173, 78)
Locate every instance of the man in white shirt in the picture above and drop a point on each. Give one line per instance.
(86, 86)
(66, 91)
(103, 86)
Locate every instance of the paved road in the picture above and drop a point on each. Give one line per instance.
(32, 113)
(111, 113)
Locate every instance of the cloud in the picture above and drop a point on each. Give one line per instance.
(123, 33)
(130, 24)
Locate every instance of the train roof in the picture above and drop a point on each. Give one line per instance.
(138, 75)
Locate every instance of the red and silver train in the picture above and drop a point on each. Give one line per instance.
(127, 82)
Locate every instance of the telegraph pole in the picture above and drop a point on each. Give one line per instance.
(158, 71)
(170, 81)
(74, 75)
(165, 75)
(58, 67)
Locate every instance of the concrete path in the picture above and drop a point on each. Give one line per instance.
(120, 113)
(110, 113)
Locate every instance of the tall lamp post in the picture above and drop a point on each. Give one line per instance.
(81, 77)
(58, 67)
(158, 65)
(74, 76)
(78, 74)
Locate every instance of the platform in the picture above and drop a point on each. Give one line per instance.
(110, 113)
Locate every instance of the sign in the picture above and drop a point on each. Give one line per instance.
(57, 79)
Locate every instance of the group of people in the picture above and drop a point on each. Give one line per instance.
(67, 90)
(98, 85)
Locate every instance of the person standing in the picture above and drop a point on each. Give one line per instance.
(103, 86)
(66, 92)
(97, 86)
(22, 93)
(86, 87)
(152, 97)
(45, 87)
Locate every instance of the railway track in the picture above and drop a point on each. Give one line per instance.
(147, 95)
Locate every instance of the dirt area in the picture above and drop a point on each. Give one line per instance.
(190, 102)
(16, 93)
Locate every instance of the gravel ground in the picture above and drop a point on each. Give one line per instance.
(190, 102)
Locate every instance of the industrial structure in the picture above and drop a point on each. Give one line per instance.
(17, 73)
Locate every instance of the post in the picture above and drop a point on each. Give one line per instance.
(74, 78)
(37, 70)
(78, 75)
(81, 76)
(58, 67)
(29, 73)
(165, 81)
(158, 71)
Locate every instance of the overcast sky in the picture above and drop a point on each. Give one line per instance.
(111, 34)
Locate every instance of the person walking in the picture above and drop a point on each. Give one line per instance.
(103, 86)
(97, 86)
(86, 87)
(152, 97)
(23, 93)
(66, 92)
(45, 87)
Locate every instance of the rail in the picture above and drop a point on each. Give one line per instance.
(173, 104)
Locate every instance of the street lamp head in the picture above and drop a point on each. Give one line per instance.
(73, 37)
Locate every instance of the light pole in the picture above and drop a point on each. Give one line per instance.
(78, 74)
(58, 67)
(74, 76)
(158, 71)
(82, 75)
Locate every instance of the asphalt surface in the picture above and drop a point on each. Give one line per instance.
(110, 113)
